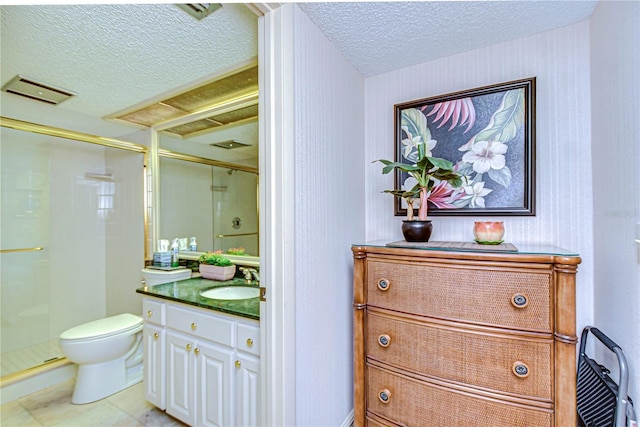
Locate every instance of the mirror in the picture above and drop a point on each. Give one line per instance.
(209, 193)
(205, 159)
(208, 186)
(216, 205)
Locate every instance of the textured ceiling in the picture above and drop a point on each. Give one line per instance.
(119, 55)
(116, 56)
(382, 36)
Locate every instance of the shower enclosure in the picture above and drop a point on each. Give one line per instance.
(71, 238)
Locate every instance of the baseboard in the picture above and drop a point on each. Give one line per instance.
(19, 387)
(348, 422)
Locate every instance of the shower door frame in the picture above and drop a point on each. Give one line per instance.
(24, 126)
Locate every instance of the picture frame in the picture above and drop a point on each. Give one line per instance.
(488, 133)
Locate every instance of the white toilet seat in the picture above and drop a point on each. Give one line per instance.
(103, 328)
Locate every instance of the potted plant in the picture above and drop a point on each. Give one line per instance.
(216, 267)
(428, 172)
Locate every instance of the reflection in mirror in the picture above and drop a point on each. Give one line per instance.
(216, 205)
(208, 165)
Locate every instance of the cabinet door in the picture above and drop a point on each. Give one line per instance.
(180, 377)
(154, 364)
(247, 389)
(214, 392)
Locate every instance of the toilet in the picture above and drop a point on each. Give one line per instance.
(108, 353)
(154, 277)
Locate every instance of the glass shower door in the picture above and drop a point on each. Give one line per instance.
(24, 261)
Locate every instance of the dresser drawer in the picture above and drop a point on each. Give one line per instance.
(500, 363)
(505, 298)
(415, 403)
(153, 311)
(203, 325)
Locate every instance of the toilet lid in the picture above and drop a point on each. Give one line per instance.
(103, 327)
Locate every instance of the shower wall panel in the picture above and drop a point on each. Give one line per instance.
(79, 204)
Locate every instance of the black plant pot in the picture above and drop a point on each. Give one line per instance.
(416, 230)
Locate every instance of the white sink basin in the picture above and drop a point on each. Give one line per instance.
(231, 293)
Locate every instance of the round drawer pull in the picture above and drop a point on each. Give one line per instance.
(520, 370)
(384, 395)
(249, 342)
(383, 284)
(188, 347)
(194, 326)
(238, 364)
(149, 313)
(196, 351)
(156, 335)
(384, 340)
(519, 300)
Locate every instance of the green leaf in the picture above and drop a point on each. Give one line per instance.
(416, 124)
(505, 121)
(441, 163)
(501, 176)
(389, 166)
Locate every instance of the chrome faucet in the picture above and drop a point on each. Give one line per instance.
(250, 274)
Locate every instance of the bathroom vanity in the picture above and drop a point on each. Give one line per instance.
(201, 356)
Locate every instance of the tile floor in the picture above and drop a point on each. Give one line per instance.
(52, 407)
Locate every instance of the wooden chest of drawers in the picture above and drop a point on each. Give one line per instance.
(464, 338)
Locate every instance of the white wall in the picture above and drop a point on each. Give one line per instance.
(186, 202)
(329, 217)
(124, 234)
(560, 61)
(615, 67)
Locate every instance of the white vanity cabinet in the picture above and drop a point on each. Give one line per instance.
(247, 366)
(153, 336)
(211, 375)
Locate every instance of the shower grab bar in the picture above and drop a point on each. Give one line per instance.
(222, 236)
(8, 251)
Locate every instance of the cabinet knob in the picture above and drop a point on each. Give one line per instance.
(188, 347)
(194, 326)
(156, 335)
(238, 364)
(249, 342)
(384, 395)
(520, 370)
(383, 284)
(149, 313)
(384, 340)
(196, 351)
(519, 300)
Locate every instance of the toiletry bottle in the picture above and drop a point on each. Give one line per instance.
(174, 253)
(193, 246)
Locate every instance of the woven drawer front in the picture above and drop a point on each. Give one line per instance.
(415, 403)
(472, 358)
(374, 423)
(462, 294)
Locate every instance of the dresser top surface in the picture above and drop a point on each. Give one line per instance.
(440, 246)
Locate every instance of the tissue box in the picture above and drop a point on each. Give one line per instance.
(162, 259)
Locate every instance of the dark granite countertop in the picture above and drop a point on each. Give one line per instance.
(188, 292)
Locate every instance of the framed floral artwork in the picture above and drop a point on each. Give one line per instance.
(488, 133)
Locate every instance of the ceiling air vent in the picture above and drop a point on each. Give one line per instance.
(229, 144)
(30, 88)
(200, 10)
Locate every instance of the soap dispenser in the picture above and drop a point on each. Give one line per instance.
(193, 246)
(174, 253)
